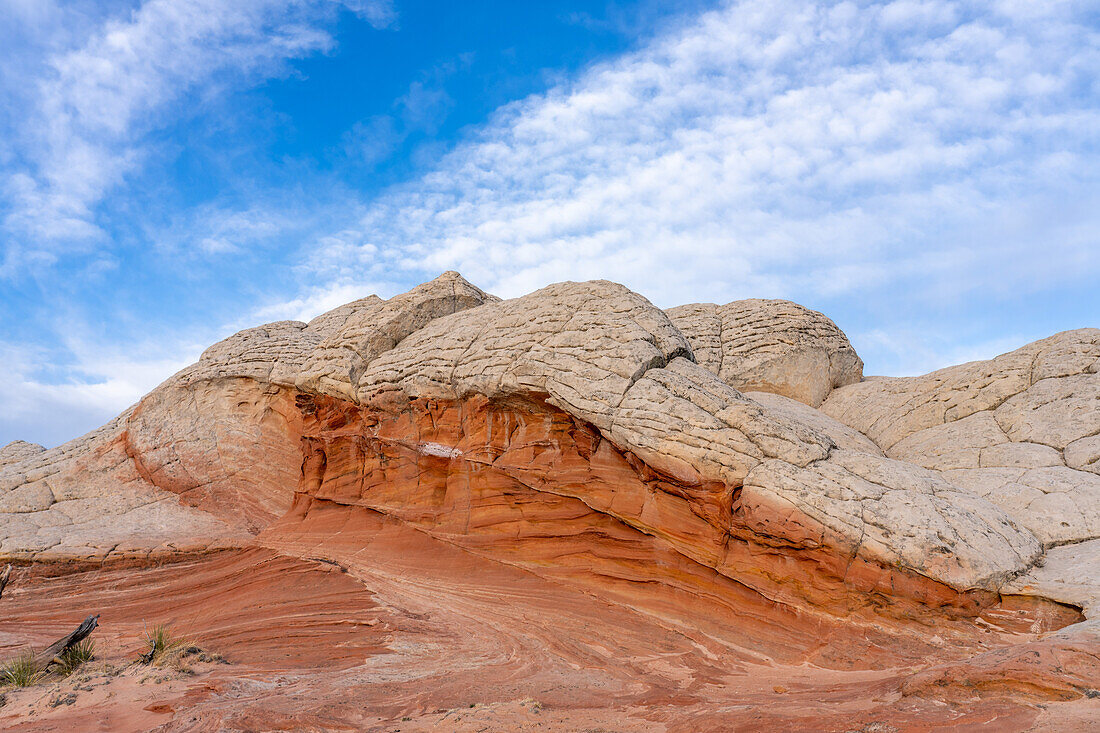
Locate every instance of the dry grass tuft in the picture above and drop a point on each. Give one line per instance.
(168, 650)
(22, 671)
(75, 656)
(164, 646)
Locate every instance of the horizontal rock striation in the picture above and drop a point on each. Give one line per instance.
(516, 479)
(204, 461)
(223, 437)
(609, 358)
(673, 463)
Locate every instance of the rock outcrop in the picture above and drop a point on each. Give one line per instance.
(1022, 430)
(17, 450)
(209, 457)
(672, 463)
(358, 333)
(610, 360)
(86, 500)
(770, 346)
(1068, 574)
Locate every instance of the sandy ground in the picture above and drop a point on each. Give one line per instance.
(404, 633)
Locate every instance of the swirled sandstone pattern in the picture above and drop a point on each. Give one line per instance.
(670, 465)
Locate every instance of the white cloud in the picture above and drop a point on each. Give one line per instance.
(925, 149)
(905, 14)
(778, 148)
(101, 380)
(908, 352)
(87, 117)
(211, 230)
(422, 108)
(379, 13)
(319, 300)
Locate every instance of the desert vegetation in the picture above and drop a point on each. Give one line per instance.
(75, 656)
(22, 671)
(166, 649)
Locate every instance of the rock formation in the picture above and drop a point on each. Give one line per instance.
(672, 466)
(18, 450)
(1022, 430)
(770, 345)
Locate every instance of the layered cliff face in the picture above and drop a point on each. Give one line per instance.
(209, 457)
(672, 464)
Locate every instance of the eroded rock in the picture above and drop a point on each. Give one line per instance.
(205, 460)
(1019, 430)
(353, 336)
(17, 450)
(606, 356)
(581, 436)
(770, 346)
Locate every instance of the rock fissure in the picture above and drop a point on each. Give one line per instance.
(672, 463)
(557, 455)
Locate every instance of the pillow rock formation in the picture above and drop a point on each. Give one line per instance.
(573, 509)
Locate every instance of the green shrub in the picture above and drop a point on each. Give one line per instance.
(163, 645)
(76, 655)
(22, 671)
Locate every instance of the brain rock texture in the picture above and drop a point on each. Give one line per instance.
(693, 463)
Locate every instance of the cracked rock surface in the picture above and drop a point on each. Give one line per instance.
(717, 467)
(220, 435)
(770, 346)
(1022, 430)
(17, 450)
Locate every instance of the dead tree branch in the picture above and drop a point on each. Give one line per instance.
(48, 655)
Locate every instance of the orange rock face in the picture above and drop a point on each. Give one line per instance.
(449, 512)
(524, 483)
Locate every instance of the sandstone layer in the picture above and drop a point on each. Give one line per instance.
(556, 477)
(771, 346)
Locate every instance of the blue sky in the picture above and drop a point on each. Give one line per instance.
(925, 172)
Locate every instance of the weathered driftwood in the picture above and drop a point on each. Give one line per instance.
(48, 655)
